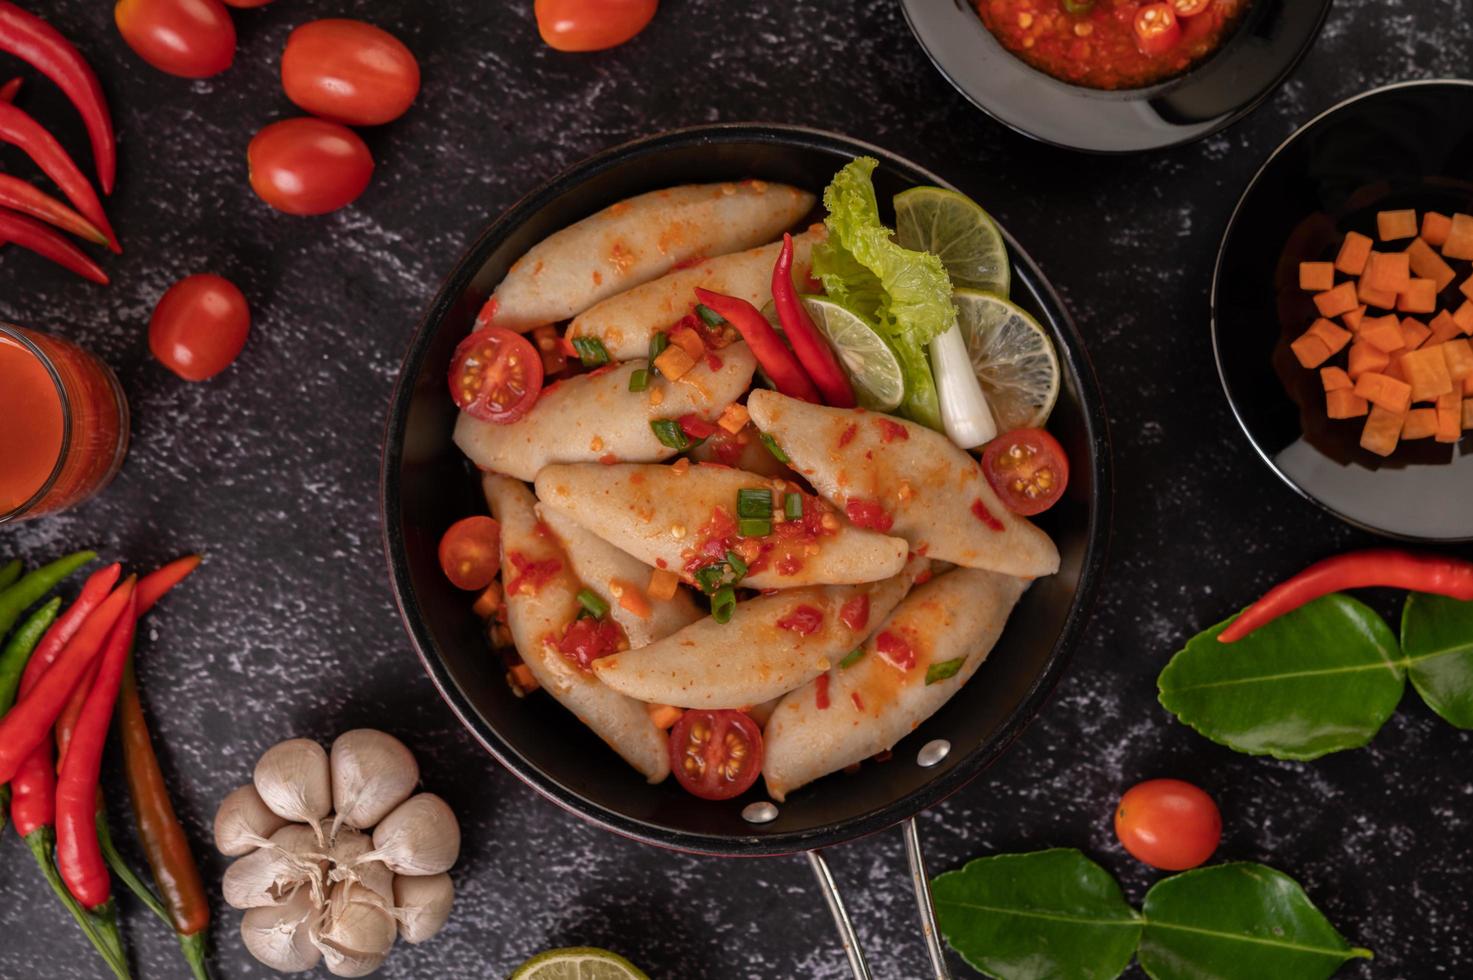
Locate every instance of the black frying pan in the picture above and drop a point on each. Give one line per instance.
(427, 485)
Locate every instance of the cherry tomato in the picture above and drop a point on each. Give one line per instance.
(1156, 28)
(715, 754)
(1028, 469)
(591, 25)
(349, 71)
(1189, 8)
(308, 166)
(188, 38)
(199, 326)
(246, 4)
(1168, 824)
(496, 375)
(470, 552)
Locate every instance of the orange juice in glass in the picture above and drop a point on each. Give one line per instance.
(63, 424)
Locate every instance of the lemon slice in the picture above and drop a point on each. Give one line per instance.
(953, 228)
(1013, 357)
(578, 963)
(873, 368)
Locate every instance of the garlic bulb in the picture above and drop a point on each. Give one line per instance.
(244, 822)
(372, 772)
(420, 837)
(422, 905)
(279, 936)
(271, 875)
(294, 782)
(374, 875)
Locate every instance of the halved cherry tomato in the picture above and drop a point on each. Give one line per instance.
(1189, 8)
(470, 552)
(199, 326)
(349, 72)
(1168, 824)
(591, 25)
(1028, 469)
(716, 754)
(1156, 28)
(308, 166)
(187, 38)
(496, 375)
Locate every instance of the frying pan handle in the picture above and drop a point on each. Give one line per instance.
(922, 887)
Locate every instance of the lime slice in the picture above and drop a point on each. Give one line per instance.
(952, 227)
(874, 370)
(1013, 357)
(578, 963)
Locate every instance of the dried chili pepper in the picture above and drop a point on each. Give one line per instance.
(813, 351)
(20, 129)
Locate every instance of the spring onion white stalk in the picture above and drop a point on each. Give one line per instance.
(964, 410)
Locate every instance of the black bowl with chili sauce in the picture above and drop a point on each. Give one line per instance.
(1073, 73)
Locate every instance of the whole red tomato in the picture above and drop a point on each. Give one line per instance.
(1168, 824)
(308, 166)
(349, 71)
(591, 25)
(188, 38)
(199, 326)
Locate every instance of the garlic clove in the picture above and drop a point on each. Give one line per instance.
(294, 781)
(280, 936)
(349, 963)
(358, 919)
(419, 837)
(422, 905)
(350, 845)
(270, 875)
(244, 822)
(372, 773)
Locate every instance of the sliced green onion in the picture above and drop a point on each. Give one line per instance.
(754, 527)
(711, 577)
(852, 657)
(658, 343)
(591, 351)
(710, 316)
(589, 600)
(943, 670)
(775, 449)
(723, 604)
(669, 432)
(793, 506)
(754, 503)
(639, 379)
(738, 567)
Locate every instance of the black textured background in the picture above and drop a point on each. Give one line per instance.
(271, 469)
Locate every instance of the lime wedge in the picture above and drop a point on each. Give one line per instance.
(952, 227)
(873, 369)
(578, 963)
(1013, 357)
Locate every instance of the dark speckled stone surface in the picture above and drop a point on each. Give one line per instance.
(272, 470)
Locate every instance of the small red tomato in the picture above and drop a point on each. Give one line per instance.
(1168, 824)
(1156, 29)
(349, 71)
(591, 25)
(715, 754)
(188, 38)
(1189, 8)
(246, 4)
(496, 375)
(470, 552)
(308, 166)
(1028, 469)
(199, 326)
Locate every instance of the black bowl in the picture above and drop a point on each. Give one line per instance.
(1403, 146)
(427, 485)
(1271, 39)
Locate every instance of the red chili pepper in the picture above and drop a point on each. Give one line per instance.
(66, 722)
(10, 89)
(1385, 567)
(779, 363)
(20, 196)
(20, 129)
(36, 42)
(813, 351)
(696, 427)
(30, 233)
(78, 851)
(151, 587)
(33, 792)
(96, 589)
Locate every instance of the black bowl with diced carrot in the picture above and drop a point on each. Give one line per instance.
(1343, 311)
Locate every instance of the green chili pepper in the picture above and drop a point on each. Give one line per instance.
(29, 590)
(13, 658)
(10, 573)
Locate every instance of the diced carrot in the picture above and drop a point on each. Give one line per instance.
(1394, 369)
(734, 418)
(1391, 225)
(1450, 417)
(1334, 379)
(1468, 386)
(1310, 350)
(689, 341)
(664, 716)
(1316, 276)
(1466, 287)
(1329, 332)
(1467, 414)
(1444, 327)
(522, 679)
(1388, 271)
(1427, 373)
(1420, 296)
(631, 599)
(1390, 394)
(488, 601)
(1459, 243)
(1364, 357)
(663, 584)
(1414, 333)
(1381, 332)
(1353, 318)
(1458, 353)
(1435, 227)
(1420, 423)
(1333, 302)
(1353, 253)
(1425, 262)
(1342, 403)
(1383, 298)
(1463, 316)
(1382, 431)
(674, 362)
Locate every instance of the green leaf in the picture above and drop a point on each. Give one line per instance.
(1437, 644)
(1049, 914)
(1320, 679)
(1234, 921)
